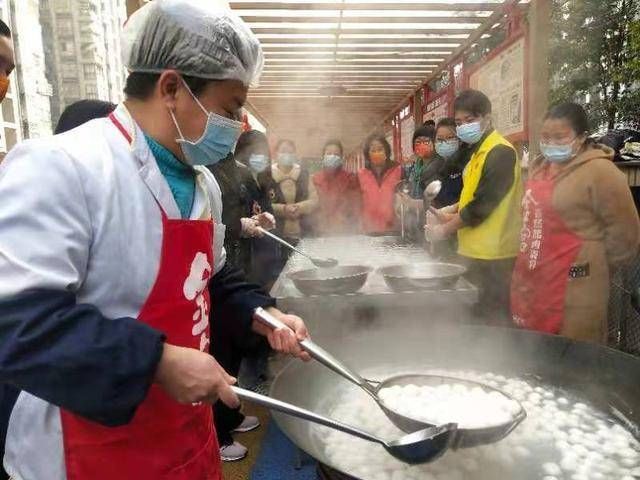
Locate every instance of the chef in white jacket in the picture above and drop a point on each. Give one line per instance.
(109, 236)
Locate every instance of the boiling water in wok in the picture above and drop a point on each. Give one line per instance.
(582, 385)
(561, 438)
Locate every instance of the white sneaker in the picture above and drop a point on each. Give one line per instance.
(234, 452)
(247, 425)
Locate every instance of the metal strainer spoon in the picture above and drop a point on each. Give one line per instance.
(422, 446)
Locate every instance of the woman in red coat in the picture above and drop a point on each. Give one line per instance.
(338, 194)
(378, 182)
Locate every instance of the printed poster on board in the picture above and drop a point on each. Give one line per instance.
(502, 80)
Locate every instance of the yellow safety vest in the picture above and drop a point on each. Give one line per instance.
(498, 236)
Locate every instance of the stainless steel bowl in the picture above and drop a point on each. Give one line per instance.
(422, 276)
(331, 281)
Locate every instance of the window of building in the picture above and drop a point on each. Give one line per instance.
(11, 137)
(67, 48)
(69, 70)
(65, 27)
(7, 111)
(89, 70)
(92, 91)
(71, 89)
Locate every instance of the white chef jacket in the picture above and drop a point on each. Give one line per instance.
(80, 213)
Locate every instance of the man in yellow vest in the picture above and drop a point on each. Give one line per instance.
(487, 218)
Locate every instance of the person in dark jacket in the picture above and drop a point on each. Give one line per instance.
(241, 214)
(252, 152)
(423, 168)
(456, 156)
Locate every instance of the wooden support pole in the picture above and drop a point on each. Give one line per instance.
(538, 74)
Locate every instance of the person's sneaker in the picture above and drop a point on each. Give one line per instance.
(234, 452)
(247, 425)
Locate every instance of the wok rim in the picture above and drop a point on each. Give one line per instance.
(294, 276)
(461, 270)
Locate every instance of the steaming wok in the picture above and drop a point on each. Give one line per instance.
(329, 281)
(604, 377)
(422, 276)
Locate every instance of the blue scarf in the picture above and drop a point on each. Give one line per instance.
(179, 176)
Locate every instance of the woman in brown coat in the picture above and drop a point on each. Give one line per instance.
(579, 224)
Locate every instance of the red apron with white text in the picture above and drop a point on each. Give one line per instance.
(165, 440)
(548, 250)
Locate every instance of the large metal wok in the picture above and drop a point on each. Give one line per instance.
(606, 378)
(422, 276)
(328, 281)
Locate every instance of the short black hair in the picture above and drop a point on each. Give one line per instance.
(473, 101)
(5, 31)
(367, 145)
(430, 123)
(427, 131)
(282, 141)
(140, 85)
(446, 122)
(81, 112)
(248, 143)
(335, 142)
(573, 113)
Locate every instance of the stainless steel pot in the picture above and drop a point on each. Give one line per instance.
(328, 281)
(422, 276)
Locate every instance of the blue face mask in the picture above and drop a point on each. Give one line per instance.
(217, 141)
(286, 159)
(557, 153)
(332, 162)
(470, 133)
(258, 163)
(447, 149)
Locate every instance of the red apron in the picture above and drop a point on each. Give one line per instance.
(548, 250)
(165, 440)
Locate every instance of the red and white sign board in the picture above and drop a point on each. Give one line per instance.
(502, 80)
(437, 109)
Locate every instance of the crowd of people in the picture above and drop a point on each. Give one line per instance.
(157, 209)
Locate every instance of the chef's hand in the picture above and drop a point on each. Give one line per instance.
(285, 340)
(265, 220)
(190, 376)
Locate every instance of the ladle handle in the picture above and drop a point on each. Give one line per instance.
(318, 353)
(283, 242)
(288, 409)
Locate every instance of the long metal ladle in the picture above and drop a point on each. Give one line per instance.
(419, 447)
(318, 262)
